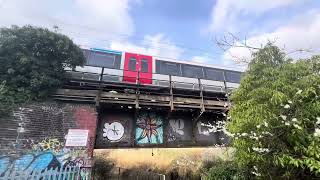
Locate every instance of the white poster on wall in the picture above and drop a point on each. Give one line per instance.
(77, 137)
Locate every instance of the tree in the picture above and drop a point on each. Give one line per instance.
(33, 62)
(276, 116)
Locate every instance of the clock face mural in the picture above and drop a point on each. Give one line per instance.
(113, 131)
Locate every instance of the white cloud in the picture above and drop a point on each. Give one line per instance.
(110, 16)
(302, 32)
(94, 23)
(80, 19)
(226, 14)
(200, 59)
(156, 45)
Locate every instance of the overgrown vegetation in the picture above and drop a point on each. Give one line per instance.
(33, 62)
(225, 170)
(275, 118)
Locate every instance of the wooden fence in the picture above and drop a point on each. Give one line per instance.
(67, 173)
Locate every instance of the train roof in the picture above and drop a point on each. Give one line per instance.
(167, 59)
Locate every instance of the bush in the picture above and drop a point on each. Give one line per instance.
(225, 170)
(33, 62)
(275, 117)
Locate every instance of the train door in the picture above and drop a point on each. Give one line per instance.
(131, 67)
(137, 64)
(145, 69)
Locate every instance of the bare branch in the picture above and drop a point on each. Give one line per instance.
(229, 40)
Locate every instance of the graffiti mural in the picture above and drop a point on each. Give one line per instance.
(177, 125)
(179, 129)
(209, 130)
(206, 128)
(29, 162)
(124, 128)
(48, 144)
(149, 128)
(113, 131)
(48, 153)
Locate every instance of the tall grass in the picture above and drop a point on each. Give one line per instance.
(174, 162)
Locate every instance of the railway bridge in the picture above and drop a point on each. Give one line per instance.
(136, 114)
(118, 100)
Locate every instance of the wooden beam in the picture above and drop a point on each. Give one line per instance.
(144, 99)
(201, 96)
(171, 94)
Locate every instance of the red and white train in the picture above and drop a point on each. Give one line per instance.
(126, 67)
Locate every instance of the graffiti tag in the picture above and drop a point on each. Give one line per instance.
(177, 125)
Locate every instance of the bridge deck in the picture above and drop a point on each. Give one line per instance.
(139, 95)
(138, 100)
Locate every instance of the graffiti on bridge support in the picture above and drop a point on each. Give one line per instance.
(119, 128)
(149, 128)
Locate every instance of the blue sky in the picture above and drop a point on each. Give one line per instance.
(180, 29)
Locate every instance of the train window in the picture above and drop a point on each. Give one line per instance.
(144, 65)
(192, 71)
(132, 64)
(214, 74)
(101, 59)
(233, 77)
(171, 69)
(168, 68)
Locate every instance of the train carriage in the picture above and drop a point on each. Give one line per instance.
(132, 68)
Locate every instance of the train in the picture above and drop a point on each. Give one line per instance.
(132, 68)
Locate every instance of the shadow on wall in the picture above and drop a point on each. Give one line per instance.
(175, 163)
(102, 168)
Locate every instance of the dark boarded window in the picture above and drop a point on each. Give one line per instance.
(192, 71)
(132, 64)
(103, 59)
(233, 77)
(214, 74)
(144, 65)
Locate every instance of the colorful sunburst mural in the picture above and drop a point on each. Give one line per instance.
(149, 129)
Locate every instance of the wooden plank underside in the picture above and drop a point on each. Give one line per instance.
(144, 100)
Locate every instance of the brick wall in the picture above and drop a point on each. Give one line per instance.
(36, 133)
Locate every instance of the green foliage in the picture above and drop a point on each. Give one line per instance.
(226, 170)
(33, 62)
(5, 100)
(276, 117)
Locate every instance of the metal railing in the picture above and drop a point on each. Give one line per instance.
(47, 173)
(138, 80)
